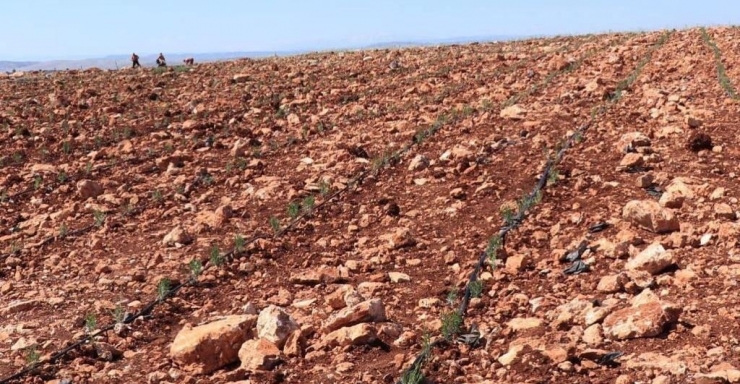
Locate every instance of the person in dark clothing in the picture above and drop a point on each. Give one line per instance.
(135, 60)
(160, 61)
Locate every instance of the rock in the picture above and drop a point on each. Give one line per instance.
(509, 357)
(571, 313)
(418, 163)
(657, 362)
(367, 311)
(592, 335)
(19, 306)
(611, 283)
(513, 112)
(239, 149)
(649, 215)
(401, 238)
(632, 160)
(241, 78)
(177, 235)
(457, 193)
(646, 180)
(214, 345)
(632, 140)
(638, 281)
(521, 324)
(275, 325)
(360, 334)
(89, 189)
(106, 352)
(517, 263)
(295, 344)
(652, 260)
(724, 372)
(258, 355)
(671, 200)
(398, 277)
(693, 122)
(647, 317)
(724, 211)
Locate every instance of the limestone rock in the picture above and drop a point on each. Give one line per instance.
(359, 334)
(89, 189)
(513, 112)
(177, 235)
(259, 355)
(646, 317)
(275, 325)
(724, 211)
(632, 140)
(211, 346)
(649, 215)
(652, 259)
(367, 311)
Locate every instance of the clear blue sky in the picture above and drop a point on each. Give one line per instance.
(60, 29)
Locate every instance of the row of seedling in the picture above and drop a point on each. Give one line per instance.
(572, 66)
(724, 80)
(453, 321)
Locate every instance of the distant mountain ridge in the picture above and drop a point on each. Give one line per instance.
(123, 60)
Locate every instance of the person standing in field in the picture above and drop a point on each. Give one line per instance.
(135, 60)
(160, 61)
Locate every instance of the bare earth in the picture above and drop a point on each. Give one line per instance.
(364, 186)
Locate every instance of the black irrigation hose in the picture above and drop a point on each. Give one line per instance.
(419, 361)
(417, 139)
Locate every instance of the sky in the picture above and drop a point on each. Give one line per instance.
(75, 29)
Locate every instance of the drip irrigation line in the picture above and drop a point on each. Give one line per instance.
(419, 361)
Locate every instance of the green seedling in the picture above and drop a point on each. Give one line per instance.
(275, 224)
(163, 289)
(99, 217)
(196, 268)
(476, 288)
(239, 243)
(294, 209)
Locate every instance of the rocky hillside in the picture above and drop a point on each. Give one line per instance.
(552, 210)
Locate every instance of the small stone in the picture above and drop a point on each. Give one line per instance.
(693, 122)
(418, 163)
(631, 160)
(646, 180)
(652, 259)
(513, 112)
(360, 334)
(649, 215)
(398, 277)
(177, 235)
(724, 211)
(611, 284)
(521, 324)
(457, 193)
(89, 189)
(592, 335)
(259, 355)
(367, 311)
(274, 324)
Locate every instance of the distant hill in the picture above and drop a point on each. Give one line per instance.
(120, 61)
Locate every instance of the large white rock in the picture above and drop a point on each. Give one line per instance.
(214, 345)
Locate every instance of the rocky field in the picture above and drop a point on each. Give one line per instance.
(538, 211)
